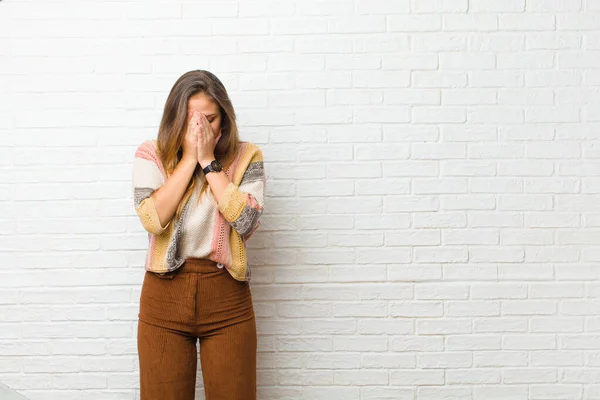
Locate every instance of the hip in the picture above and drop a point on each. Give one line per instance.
(196, 297)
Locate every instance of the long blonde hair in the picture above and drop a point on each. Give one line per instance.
(173, 126)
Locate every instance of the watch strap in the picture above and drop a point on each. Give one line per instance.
(209, 167)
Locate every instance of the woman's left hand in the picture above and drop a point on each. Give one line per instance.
(207, 142)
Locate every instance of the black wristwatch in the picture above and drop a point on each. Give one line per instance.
(214, 166)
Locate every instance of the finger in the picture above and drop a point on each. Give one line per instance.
(203, 118)
(200, 132)
(193, 124)
(204, 129)
(207, 126)
(197, 124)
(199, 143)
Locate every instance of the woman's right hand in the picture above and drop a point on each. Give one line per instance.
(190, 140)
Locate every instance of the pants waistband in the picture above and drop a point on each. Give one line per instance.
(198, 265)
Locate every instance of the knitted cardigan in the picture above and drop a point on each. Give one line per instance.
(237, 216)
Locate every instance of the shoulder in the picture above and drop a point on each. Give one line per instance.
(251, 151)
(146, 156)
(147, 150)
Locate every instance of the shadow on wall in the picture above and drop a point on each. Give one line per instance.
(9, 394)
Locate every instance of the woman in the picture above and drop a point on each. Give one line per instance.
(199, 192)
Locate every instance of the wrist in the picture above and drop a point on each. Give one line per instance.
(205, 162)
(189, 161)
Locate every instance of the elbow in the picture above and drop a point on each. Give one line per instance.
(248, 221)
(154, 228)
(241, 209)
(249, 234)
(152, 224)
(148, 216)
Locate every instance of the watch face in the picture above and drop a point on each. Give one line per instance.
(216, 165)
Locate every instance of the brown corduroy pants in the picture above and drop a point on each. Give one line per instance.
(198, 301)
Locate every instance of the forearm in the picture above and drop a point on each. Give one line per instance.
(240, 204)
(169, 195)
(217, 181)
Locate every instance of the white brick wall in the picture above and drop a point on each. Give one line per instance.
(433, 207)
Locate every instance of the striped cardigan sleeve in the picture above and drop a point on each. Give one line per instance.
(147, 177)
(242, 205)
